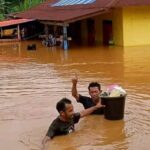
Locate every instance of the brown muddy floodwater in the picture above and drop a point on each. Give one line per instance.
(31, 82)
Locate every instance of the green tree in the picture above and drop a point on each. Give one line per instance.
(11, 6)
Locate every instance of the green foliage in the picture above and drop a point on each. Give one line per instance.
(12, 6)
(28, 4)
(4, 8)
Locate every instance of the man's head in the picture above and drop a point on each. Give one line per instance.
(94, 90)
(65, 108)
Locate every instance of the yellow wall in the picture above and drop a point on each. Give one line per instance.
(136, 26)
(118, 27)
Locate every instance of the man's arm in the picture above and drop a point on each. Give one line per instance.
(88, 111)
(44, 141)
(74, 88)
(49, 135)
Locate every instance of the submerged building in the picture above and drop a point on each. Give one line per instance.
(118, 22)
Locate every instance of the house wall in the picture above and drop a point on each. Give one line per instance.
(118, 27)
(84, 33)
(116, 17)
(131, 26)
(117, 24)
(99, 26)
(136, 26)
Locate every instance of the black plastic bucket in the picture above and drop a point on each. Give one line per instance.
(114, 109)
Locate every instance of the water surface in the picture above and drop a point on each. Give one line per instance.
(33, 81)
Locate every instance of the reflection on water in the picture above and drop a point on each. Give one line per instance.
(33, 81)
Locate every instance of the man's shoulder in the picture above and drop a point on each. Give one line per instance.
(56, 121)
(84, 97)
(86, 101)
(76, 117)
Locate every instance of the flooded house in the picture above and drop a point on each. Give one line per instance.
(95, 22)
(18, 29)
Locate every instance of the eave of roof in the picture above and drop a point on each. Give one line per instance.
(14, 22)
(62, 15)
(126, 3)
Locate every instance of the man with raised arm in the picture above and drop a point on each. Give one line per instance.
(94, 89)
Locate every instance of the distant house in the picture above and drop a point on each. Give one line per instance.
(18, 29)
(119, 22)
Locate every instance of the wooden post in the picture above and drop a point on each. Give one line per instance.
(1, 32)
(65, 38)
(19, 36)
(46, 31)
(55, 28)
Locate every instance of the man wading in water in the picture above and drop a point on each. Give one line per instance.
(64, 123)
(94, 92)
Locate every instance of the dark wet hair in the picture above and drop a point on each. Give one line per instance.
(94, 84)
(60, 106)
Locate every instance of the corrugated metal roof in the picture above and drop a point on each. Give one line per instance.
(69, 13)
(72, 2)
(14, 22)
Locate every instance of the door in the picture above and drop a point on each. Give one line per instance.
(91, 32)
(107, 32)
(74, 31)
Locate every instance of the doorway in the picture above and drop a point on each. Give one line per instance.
(91, 32)
(107, 32)
(74, 31)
